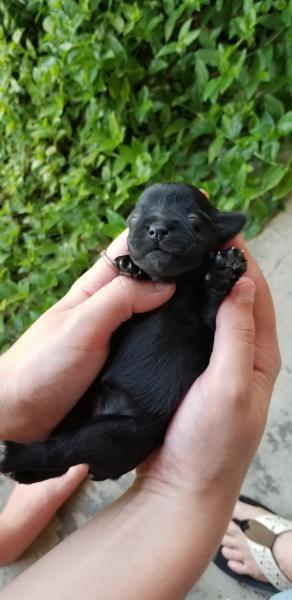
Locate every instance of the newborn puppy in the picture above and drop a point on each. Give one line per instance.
(175, 234)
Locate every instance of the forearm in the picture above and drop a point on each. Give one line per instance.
(148, 545)
(6, 418)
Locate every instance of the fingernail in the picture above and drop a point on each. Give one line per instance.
(246, 289)
(160, 286)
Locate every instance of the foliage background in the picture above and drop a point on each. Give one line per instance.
(97, 98)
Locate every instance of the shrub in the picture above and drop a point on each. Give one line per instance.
(98, 97)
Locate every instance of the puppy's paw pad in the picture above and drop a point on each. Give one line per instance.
(236, 260)
(125, 266)
(123, 263)
(231, 260)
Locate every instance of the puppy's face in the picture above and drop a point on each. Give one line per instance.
(173, 228)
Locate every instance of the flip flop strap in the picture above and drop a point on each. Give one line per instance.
(274, 523)
(264, 556)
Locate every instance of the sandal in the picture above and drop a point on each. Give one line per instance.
(261, 534)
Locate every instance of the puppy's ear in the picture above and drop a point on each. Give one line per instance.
(130, 217)
(229, 224)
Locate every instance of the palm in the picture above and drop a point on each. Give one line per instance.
(55, 364)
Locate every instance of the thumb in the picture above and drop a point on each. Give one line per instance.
(117, 301)
(232, 358)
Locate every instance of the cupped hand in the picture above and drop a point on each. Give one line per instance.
(217, 428)
(54, 362)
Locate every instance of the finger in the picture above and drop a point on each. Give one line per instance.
(267, 356)
(232, 359)
(103, 313)
(97, 276)
(264, 309)
(204, 192)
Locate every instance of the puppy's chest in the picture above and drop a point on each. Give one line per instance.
(186, 305)
(165, 330)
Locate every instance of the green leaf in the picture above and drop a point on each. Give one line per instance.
(202, 74)
(156, 65)
(190, 37)
(272, 177)
(284, 188)
(2, 326)
(172, 20)
(212, 89)
(185, 28)
(17, 36)
(215, 147)
(167, 49)
(115, 218)
(210, 57)
(285, 124)
(231, 126)
(274, 106)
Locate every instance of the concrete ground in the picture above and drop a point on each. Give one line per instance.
(270, 476)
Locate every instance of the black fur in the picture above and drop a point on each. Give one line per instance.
(174, 234)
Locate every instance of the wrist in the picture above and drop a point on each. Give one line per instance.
(14, 424)
(204, 496)
(197, 500)
(197, 481)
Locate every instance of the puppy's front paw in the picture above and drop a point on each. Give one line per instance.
(10, 456)
(234, 259)
(227, 267)
(125, 266)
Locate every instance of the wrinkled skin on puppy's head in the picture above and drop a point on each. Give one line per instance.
(173, 229)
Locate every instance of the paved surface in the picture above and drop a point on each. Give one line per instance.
(270, 475)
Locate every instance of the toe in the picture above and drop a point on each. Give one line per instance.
(238, 567)
(228, 541)
(231, 554)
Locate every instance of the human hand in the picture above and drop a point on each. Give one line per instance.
(54, 362)
(174, 516)
(217, 428)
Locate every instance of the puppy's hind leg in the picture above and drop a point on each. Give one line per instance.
(34, 476)
(110, 444)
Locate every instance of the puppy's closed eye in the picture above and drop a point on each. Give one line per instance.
(196, 221)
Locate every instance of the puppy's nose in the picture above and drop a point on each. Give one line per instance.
(157, 231)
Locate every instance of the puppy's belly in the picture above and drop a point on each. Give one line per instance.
(152, 364)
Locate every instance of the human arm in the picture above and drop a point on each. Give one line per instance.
(156, 540)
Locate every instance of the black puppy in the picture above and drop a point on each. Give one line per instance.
(175, 234)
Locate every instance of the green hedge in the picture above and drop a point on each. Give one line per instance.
(97, 98)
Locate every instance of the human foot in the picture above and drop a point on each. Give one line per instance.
(236, 548)
(30, 508)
